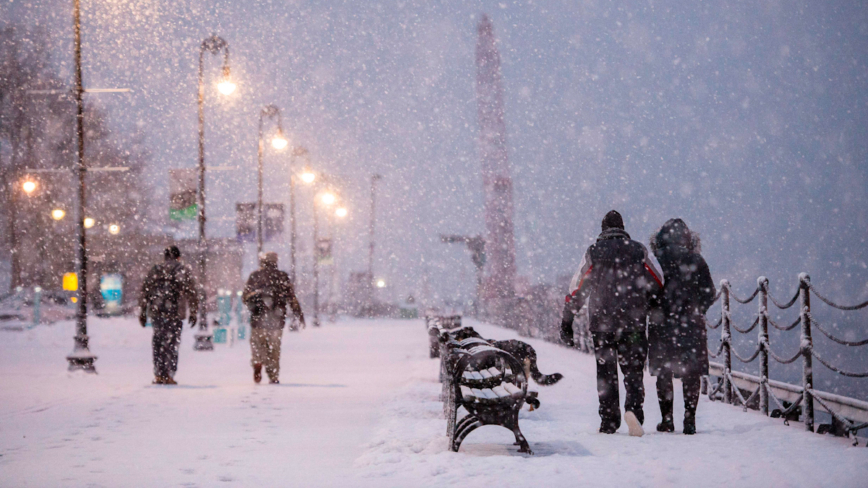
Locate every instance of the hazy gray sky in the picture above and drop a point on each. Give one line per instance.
(746, 119)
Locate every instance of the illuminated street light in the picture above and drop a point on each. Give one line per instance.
(308, 176)
(213, 45)
(341, 212)
(58, 214)
(279, 142)
(381, 283)
(114, 229)
(29, 186)
(226, 87)
(88, 222)
(297, 150)
(327, 198)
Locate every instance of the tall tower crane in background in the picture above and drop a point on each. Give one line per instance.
(498, 287)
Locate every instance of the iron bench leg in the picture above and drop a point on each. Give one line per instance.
(511, 423)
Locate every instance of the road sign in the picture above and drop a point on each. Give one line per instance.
(70, 282)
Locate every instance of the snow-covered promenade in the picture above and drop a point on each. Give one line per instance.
(357, 406)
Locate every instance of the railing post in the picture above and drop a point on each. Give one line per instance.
(806, 347)
(763, 339)
(37, 305)
(726, 338)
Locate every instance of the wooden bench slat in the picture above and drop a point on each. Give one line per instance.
(500, 391)
(510, 388)
(484, 393)
(472, 376)
(504, 390)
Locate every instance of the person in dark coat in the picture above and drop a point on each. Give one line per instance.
(618, 282)
(267, 294)
(165, 291)
(676, 332)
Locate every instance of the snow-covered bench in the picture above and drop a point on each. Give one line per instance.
(436, 324)
(482, 385)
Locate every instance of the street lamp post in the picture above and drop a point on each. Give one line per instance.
(374, 179)
(279, 142)
(28, 186)
(339, 213)
(293, 237)
(327, 199)
(213, 45)
(315, 265)
(80, 358)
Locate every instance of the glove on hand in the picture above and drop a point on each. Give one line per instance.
(567, 333)
(192, 321)
(143, 319)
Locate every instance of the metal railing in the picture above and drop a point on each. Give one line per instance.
(850, 414)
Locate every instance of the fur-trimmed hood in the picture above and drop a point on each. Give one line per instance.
(674, 233)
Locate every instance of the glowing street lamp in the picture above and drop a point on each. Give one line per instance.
(341, 212)
(328, 198)
(88, 222)
(213, 45)
(307, 176)
(29, 186)
(58, 214)
(226, 87)
(381, 283)
(279, 142)
(297, 150)
(114, 229)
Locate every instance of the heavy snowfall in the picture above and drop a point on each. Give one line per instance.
(297, 243)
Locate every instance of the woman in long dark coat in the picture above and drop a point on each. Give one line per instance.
(676, 332)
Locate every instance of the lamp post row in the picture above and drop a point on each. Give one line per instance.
(81, 358)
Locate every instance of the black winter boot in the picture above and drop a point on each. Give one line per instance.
(667, 425)
(690, 422)
(691, 399)
(609, 427)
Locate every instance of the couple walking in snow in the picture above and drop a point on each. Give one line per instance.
(170, 286)
(637, 313)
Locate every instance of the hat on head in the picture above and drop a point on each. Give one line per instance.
(268, 258)
(613, 220)
(172, 252)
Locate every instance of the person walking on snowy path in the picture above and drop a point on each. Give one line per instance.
(619, 283)
(267, 293)
(676, 331)
(165, 291)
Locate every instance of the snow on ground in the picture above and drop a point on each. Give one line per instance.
(357, 406)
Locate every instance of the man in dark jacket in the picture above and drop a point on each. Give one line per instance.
(617, 282)
(676, 333)
(267, 294)
(165, 291)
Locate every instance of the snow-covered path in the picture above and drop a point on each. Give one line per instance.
(357, 407)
